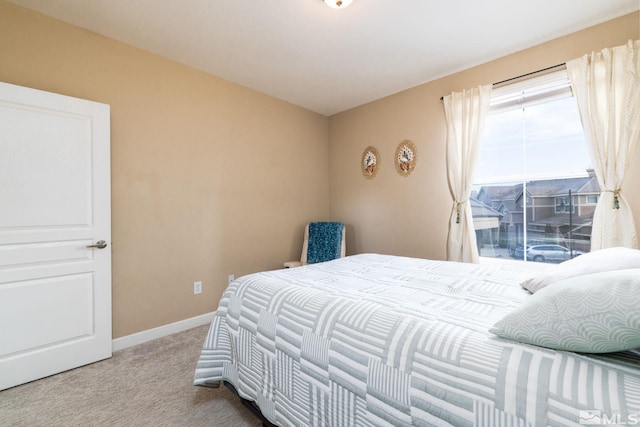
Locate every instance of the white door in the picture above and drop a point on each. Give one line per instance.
(55, 289)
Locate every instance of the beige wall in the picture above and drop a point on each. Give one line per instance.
(211, 179)
(409, 215)
(208, 178)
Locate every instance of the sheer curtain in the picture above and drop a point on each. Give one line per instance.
(465, 112)
(606, 85)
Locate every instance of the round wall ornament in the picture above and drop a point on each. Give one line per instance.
(406, 158)
(370, 162)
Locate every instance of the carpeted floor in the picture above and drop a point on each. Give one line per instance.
(146, 385)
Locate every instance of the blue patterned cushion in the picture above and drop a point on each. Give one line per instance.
(593, 313)
(325, 241)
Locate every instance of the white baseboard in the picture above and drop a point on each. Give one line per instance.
(160, 331)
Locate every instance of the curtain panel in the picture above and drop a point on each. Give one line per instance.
(466, 113)
(606, 85)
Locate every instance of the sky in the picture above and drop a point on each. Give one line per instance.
(549, 134)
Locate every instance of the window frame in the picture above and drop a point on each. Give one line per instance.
(590, 203)
(566, 210)
(541, 89)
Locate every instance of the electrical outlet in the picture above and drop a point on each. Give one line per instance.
(197, 288)
(230, 278)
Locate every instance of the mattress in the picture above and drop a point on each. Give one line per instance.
(379, 340)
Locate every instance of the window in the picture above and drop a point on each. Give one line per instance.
(563, 205)
(533, 174)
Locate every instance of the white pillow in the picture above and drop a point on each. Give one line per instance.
(592, 313)
(592, 262)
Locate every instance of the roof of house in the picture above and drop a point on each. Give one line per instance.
(561, 187)
(510, 205)
(496, 195)
(479, 209)
(563, 219)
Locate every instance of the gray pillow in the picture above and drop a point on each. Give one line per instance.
(593, 262)
(594, 313)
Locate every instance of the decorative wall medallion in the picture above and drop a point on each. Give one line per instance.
(370, 162)
(406, 158)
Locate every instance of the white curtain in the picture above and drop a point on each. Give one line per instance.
(606, 85)
(466, 113)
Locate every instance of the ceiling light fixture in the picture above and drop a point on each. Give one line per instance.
(337, 4)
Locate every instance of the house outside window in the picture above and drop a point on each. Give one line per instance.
(533, 161)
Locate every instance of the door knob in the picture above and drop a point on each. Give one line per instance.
(100, 244)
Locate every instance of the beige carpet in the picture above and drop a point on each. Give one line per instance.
(146, 385)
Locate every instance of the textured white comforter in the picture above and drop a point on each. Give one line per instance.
(373, 340)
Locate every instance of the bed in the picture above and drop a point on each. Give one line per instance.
(380, 340)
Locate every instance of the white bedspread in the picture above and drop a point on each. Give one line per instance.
(373, 340)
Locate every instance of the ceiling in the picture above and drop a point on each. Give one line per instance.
(329, 60)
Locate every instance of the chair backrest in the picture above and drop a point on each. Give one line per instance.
(323, 241)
